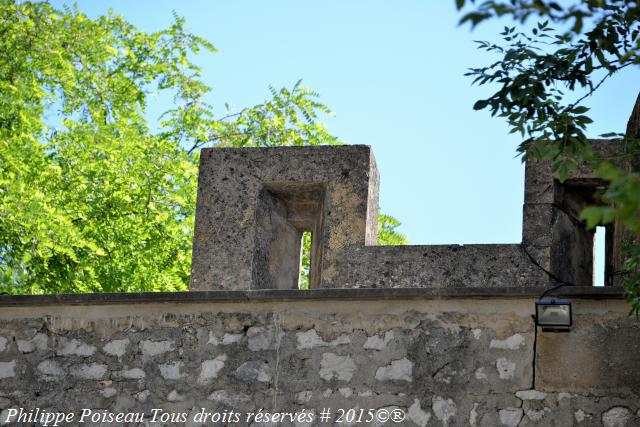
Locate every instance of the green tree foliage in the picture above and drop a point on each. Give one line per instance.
(388, 233)
(93, 197)
(574, 47)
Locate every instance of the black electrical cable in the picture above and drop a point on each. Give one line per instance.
(547, 272)
(561, 282)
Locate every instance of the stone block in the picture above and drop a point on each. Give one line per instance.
(591, 358)
(254, 204)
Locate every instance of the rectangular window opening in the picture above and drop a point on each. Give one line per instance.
(599, 256)
(305, 261)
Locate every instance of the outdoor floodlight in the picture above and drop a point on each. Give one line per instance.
(553, 315)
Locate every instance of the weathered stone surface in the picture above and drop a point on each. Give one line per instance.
(594, 356)
(238, 401)
(92, 371)
(417, 415)
(254, 204)
(616, 417)
(74, 347)
(444, 409)
(254, 371)
(338, 367)
(116, 347)
(133, 374)
(142, 396)
(439, 266)
(377, 343)
(108, 392)
(50, 368)
(513, 342)
(229, 339)
(510, 416)
(210, 369)
(7, 369)
(171, 371)
(552, 228)
(399, 370)
(436, 359)
(263, 338)
(39, 342)
(309, 339)
(506, 368)
(260, 212)
(174, 396)
(531, 395)
(153, 348)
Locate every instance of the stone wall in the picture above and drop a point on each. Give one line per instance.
(254, 204)
(446, 360)
(443, 334)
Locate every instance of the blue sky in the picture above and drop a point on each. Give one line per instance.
(393, 74)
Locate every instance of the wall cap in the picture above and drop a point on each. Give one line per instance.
(306, 295)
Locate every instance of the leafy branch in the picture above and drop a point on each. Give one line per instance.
(592, 42)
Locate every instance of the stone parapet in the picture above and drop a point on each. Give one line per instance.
(255, 203)
(460, 360)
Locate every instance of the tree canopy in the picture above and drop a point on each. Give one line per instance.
(545, 75)
(94, 195)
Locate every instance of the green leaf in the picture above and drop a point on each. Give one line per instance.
(479, 105)
(592, 215)
(579, 110)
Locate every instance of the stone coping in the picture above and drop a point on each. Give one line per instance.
(267, 295)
